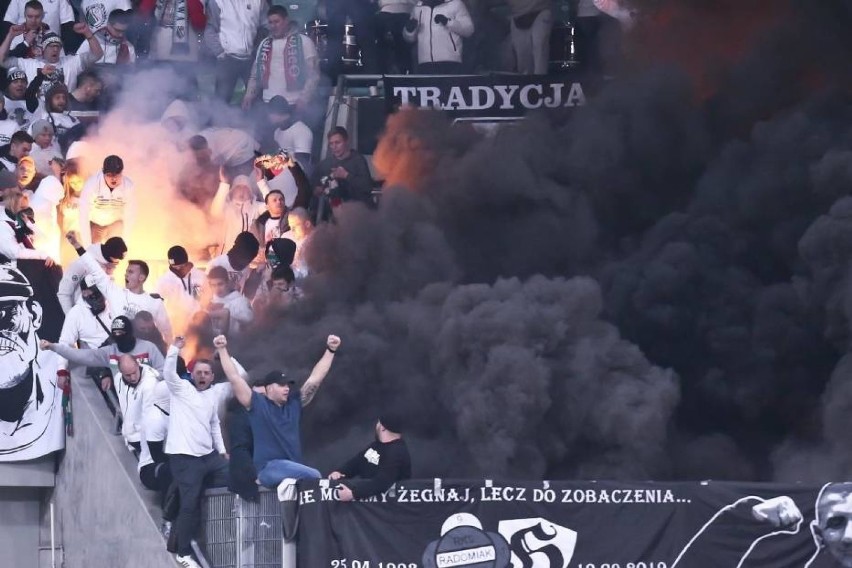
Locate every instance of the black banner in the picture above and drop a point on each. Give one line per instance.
(444, 524)
(485, 96)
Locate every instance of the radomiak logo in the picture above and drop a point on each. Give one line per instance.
(463, 543)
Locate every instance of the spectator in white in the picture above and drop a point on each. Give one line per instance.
(20, 145)
(116, 48)
(229, 310)
(106, 255)
(438, 27)
(300, 231)
(291, 135)
(194, 445)
(87, 324)
(30, 43)
(15, 243)
(178, 121)
(45, 206)
(107, 204)
(234, 205)
(132, 299)
(8, 125)
(275, 415)
(58, 15)
(531, 22)
(15, 97)
(379, 466)
(181, 286)
(55, 111)
(237, 261)
(65, 67)
(96, 12)
(134, 384)
(154, 471)
(44, 147)
(229, 36)
(123, 342)
(198, 180)
(233, 148)
(394, 52)
(286, 64)
(178, 29)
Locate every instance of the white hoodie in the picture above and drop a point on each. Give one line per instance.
(45, 201)
(437, 42)
(104, 206)
(81, 328)
(69, 287)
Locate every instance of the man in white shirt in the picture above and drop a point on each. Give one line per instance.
(117, 49)
(107, 204)
(65, 67)
(231, 28)
(107, 255)
(181, 286)
(292, 136)
(15, 97)
(134, 385)
(97, 12)
(286, 64)
(38, 21)
(194, 445)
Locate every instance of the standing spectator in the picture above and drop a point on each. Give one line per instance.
(15, 97)
(229, 310)
(154, 471)
(178, 30)
(66, 127)
(58, 16)
(531, 22)
(107, 204)
(134, 384)
(64, 68)
(182, 285)
(300, 231)
(275, 415)
(20, 145)
(272, 223)
(45, 206)
(237, 261)
(277, 292)
(116, 48)
(286, 64)
(232, 148)
(379, 466)
(394, 51)
(231, 29)
(438, 27)
(235, 206)
(107, 255)
(194, 445)
(44, 148)
(198, 180)
(344, 174)
(97, 12)
(291, 135)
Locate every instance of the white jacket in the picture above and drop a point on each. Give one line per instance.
(182, 295)
(437, 42)
(9, 245)
(69, 287)
(237, 217)
(233, 25)
(239, 308)
(45, 201)
(102, 206)
(132, 401)
(82, 327)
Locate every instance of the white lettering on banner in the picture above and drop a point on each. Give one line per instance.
(482, 97)
(432, 495)
(466, 557)
(618, 496)
(503, 493)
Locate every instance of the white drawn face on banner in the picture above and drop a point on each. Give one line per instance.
(538, 543)
(20, 319)
(834, 521)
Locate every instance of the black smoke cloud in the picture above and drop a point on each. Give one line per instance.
(656, 285)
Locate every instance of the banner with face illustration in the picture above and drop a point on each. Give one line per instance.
(446, 524)
(31, 419)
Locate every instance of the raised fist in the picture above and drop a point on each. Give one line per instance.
(180, 342)
(82, 28)
(17, 29)
(220, 342)
(780, 511)
(333, 342)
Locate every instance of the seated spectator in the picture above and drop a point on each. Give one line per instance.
(107, 204)
(237, 261)
(123, 342)
(228, 309)
(194, 445)
(531, 22)
(116, 49)
(235, 206)
(275, 415)
(107, 255)
(438, 27)
(379, 466)
(343, 175)
(19, 146)
(45, 147)
(199, 179)
(15, 97)
(65, 68)
(133, 385)
(57, 16)
(394, 52)
(182, 285)
(286, 64)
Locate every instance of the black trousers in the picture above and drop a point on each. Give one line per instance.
(194, 474)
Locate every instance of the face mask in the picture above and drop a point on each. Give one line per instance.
(125, 342)
(96, 303)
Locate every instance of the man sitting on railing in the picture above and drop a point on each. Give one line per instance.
(275, 415)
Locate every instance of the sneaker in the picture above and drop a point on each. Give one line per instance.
(187, 561)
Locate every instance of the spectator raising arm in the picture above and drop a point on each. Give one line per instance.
(242, 391)
(320, 370)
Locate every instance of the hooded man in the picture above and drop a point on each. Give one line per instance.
(31, 423)
(66, 127)
(237, 261)
(381, 464)
(123, 342)
(181, 286)
(106, 255)
(107, 204)
(438, 26)
(87, 323)
(235, 206)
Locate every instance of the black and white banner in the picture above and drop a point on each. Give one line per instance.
(31, 417)
(447, 524)
(478, 96)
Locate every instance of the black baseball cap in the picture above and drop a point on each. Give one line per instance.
(276, 378)
(177, 255)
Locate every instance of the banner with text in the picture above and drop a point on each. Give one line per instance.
(485, 96)
(446, 524)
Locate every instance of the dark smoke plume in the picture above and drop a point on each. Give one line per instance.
(529, 299)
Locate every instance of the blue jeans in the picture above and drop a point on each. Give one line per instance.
(275, 471)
